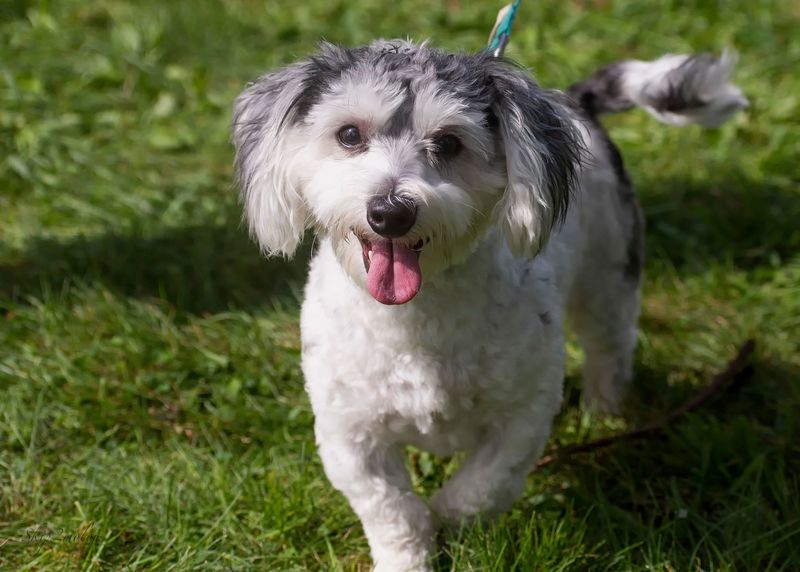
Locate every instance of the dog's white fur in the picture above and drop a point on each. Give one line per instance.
(475, 362)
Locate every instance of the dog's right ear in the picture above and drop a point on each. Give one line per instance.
(263, 115)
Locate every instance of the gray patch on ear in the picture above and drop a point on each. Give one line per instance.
(288, 94)
(261, 110)
(274, 208)
(541, 145)
(538, 129)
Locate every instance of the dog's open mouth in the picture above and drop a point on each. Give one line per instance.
(393, 273)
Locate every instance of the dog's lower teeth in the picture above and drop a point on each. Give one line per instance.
(369, 256)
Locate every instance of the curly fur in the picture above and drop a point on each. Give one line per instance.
(533, 221)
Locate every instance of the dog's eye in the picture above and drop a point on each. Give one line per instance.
(349, 136)
(446, 146)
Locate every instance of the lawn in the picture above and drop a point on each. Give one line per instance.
(152, 413)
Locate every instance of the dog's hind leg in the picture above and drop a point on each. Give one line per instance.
(603, 309)
(606, 329)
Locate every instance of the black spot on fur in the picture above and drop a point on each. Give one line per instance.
(601, 92)
(402, 117)
(614, 156)
(678, 93)
(486, 84)
(600, 134)
(494, 87)
(322, 71)
(545, 318)
(627, 197)
(635, 250)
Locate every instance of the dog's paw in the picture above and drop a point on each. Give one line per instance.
(402, 564)
(406, 553)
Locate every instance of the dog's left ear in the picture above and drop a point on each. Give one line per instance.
(542, 150)
(263, 115)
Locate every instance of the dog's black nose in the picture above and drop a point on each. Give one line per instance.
(391, 216)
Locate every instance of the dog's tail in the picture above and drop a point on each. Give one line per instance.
(675, 89)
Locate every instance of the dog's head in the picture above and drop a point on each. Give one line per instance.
(403, 156)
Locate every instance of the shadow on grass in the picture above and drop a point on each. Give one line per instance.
(704, 483)
(748, 223)
(197, 269)
(206, 269)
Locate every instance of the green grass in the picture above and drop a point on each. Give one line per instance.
(152, 414)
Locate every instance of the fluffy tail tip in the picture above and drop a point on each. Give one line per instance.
(683, 90)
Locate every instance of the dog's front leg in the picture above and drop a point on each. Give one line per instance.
(371, 474)
(493, 475)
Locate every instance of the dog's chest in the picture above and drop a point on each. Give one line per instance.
(434, 373)
(434, 388)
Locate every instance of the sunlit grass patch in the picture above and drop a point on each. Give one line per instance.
(152, 412)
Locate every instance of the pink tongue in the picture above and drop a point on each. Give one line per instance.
(394, 276)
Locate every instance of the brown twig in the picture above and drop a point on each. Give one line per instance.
(735, 371)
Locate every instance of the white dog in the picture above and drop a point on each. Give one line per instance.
(462, 213)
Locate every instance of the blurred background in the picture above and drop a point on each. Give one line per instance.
(152, 414)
